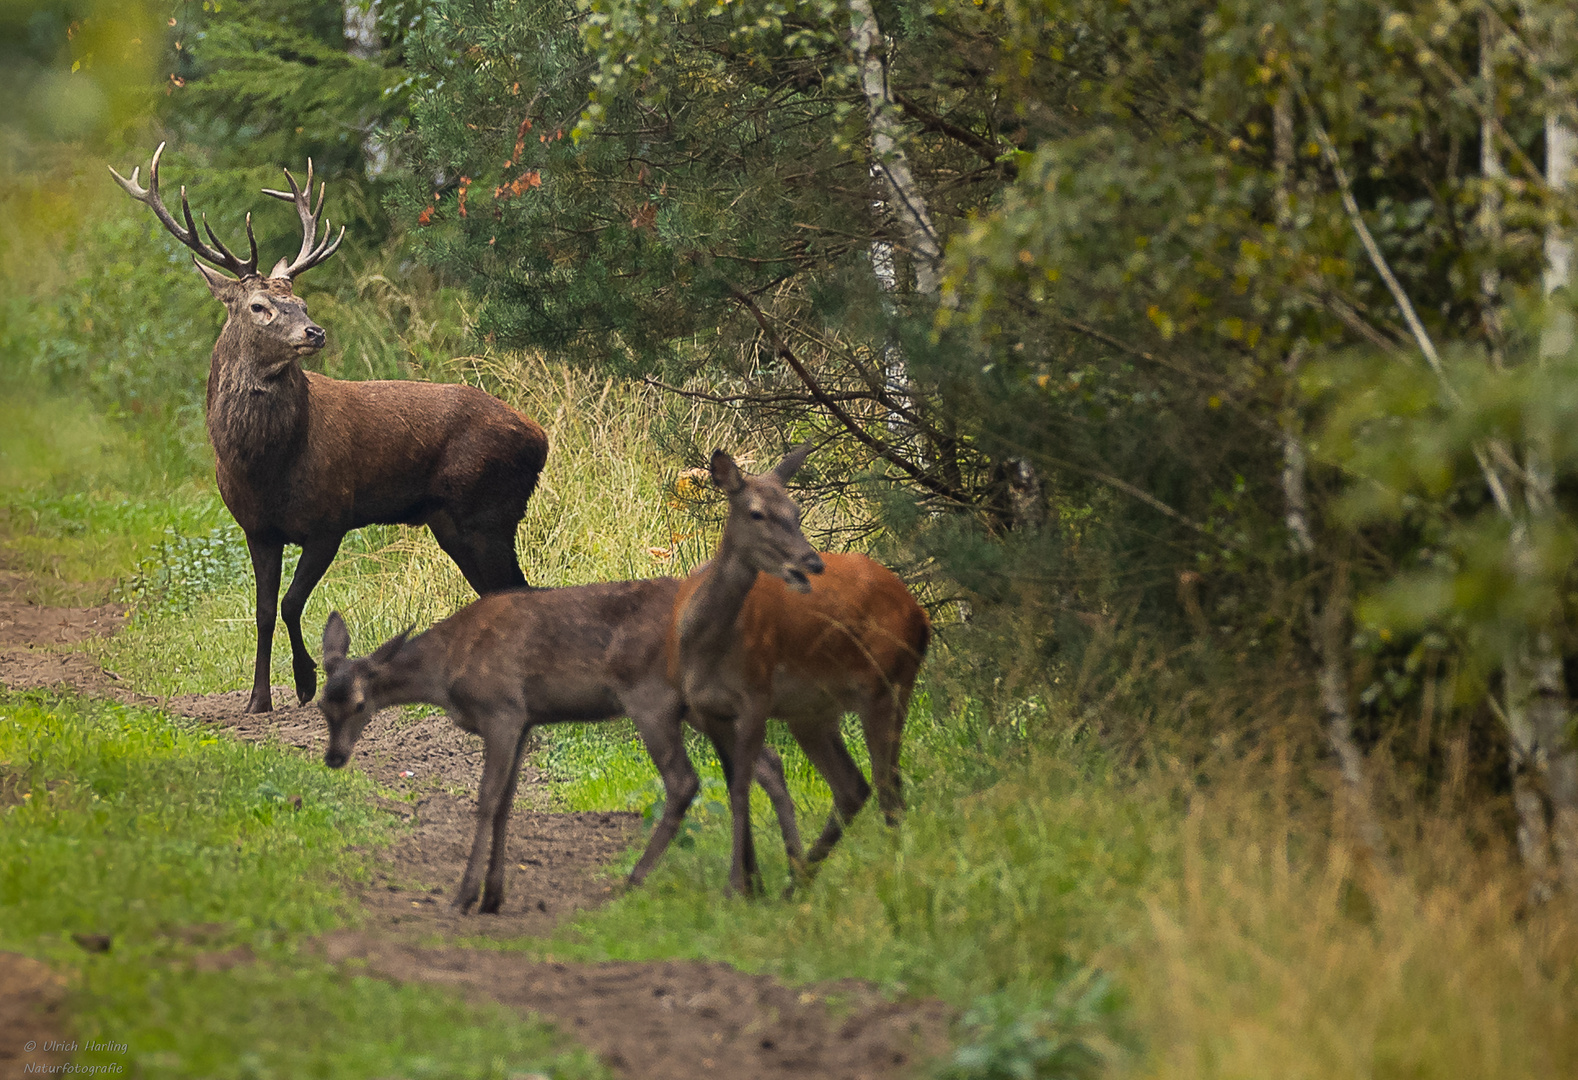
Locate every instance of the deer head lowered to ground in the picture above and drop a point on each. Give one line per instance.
(304, 459)
(772, 628)
(513, 660)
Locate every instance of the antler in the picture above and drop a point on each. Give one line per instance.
(188, 236)
(312, 251)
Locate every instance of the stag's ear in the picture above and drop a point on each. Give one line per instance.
(725, 473)
(223, 286)
(792, 462)
(385, 652)
(336, 642)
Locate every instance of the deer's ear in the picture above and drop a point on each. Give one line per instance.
(223, 286)
(792, 462)
(336, 641)
(725, 473)
(385, 652)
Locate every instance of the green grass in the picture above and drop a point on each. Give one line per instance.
(122, 821)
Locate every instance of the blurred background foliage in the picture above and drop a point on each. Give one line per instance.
(1221, 420)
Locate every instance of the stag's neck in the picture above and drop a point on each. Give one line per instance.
(257, 406)
(415, 675)
(707, 627)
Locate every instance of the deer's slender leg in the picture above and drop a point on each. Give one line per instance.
(882, 718)
(314, 563)
(750, 731)
(770, 774)
(499, 742)
(823, 743)
(266, 557)
(493, 888)
(657, 712)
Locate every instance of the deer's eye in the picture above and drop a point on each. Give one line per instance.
(757, 515)
(259, 308)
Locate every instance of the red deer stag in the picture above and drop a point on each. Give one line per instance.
(753, 635)
(513, 660)
(303, 459)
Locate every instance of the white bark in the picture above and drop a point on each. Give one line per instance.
(1550, 712)
(887, 150)
(362, 42)
(1490, 197)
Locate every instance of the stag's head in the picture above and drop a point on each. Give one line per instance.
(269, 318)
(351, 687)
(764, 522)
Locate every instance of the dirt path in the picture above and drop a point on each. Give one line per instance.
(656, 1021)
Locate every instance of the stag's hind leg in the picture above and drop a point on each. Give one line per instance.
(314, 563)
(484, 550)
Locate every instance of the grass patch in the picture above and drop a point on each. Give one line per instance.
(124, 822)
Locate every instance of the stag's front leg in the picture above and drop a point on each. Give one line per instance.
(316, 556)
(265, 571)
(498, 763)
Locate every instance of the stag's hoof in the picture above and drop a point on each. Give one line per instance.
(490, 904)
(261, 702)
(306, 683)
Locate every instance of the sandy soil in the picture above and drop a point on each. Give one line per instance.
(655, 1021)
(32, 1014)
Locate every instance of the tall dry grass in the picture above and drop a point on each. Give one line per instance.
(1275, 948)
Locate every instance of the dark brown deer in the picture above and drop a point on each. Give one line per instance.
(772, 628)
(304, 459)
(511, 661)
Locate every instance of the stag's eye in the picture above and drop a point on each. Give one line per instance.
(259, 308)
(757, 515)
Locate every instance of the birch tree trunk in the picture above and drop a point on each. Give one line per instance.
(1328, 619)
(1023, 498)
(1551, 711)
(363, 43)
(887, 149)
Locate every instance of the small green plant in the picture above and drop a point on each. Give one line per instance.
(182, 569)
(1059, 1035)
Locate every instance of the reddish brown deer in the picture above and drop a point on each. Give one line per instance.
(513, 660)
(754, 635)
(303, 459)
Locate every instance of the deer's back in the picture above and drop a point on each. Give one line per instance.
(857, 628)
(565, 654)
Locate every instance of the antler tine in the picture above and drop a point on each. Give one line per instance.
(313, 251)
(188, 236)
(223, 256)
(252, 263)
